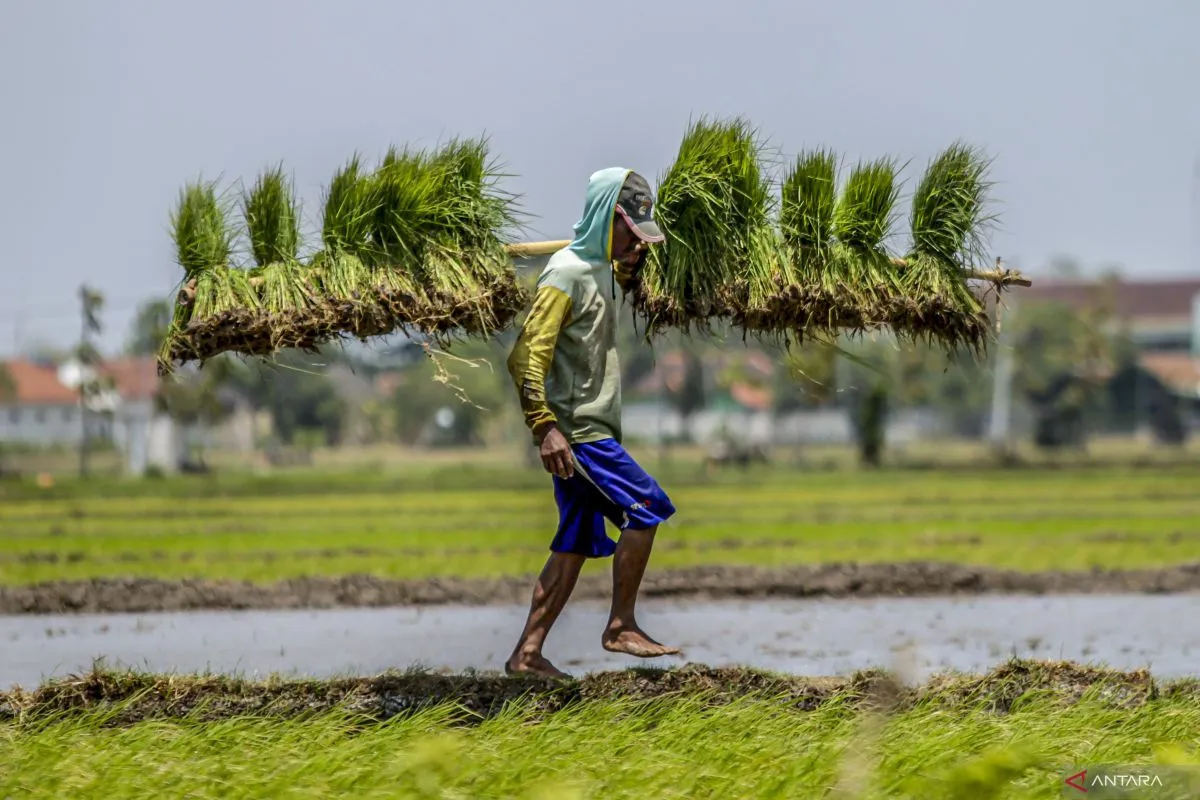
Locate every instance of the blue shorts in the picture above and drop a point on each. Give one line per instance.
(607, 484)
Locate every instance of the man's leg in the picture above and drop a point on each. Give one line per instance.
(622, 635)
(550, 594)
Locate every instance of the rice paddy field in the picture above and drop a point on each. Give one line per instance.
(475, 535)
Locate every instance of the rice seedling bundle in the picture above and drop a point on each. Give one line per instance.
(714, 204)
(290, 314)
(217, 296)
(438, 235)
(949, 218)
(343, 265)
(818, 261)
(808, 204)
(417, 244)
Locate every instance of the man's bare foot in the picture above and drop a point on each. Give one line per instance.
(633, 641)
(533, 663)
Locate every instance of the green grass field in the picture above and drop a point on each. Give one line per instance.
(487, 521)
(490, 522)
(997, 739)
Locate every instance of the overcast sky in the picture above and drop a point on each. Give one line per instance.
(108, 106)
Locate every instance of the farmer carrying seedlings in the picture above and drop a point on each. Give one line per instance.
(564, 364)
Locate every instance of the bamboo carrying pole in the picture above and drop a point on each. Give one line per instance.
(1004, 277)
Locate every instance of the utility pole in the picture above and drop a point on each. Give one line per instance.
(1002, 379)
(90, 303)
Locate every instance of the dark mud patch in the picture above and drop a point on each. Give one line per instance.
(906, 579)
(125, 698)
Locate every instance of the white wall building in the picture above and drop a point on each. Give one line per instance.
(44, 410)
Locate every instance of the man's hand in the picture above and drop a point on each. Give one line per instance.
(556, 454)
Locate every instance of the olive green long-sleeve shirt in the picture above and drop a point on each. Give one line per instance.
(564, 362)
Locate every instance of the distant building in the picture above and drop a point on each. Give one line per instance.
(1161, 315)
(1162, 387)
(41, 410)
(44, 409)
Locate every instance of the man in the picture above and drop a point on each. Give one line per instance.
(564, 364)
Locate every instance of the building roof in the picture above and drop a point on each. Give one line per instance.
(1178, 371)
(134, 378)
(37, 384)
(1158, 300)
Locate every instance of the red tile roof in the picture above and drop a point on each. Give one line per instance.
(1179, 371)
(38, 384)
(135, 378)
(1165, 298)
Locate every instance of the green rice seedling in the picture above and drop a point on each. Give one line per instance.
(213, 292)
(808, 204)
(440, 229)
(860, 270)
(201, 230)
(471, 233)
(290, 315)
(948, 224)
(405, 193)
(807, 208)
(343, 267)
(714, 206)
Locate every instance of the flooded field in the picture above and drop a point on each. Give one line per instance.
(801, 637)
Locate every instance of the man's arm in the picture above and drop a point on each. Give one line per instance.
(531, 356)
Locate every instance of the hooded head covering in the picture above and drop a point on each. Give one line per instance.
(607, 193)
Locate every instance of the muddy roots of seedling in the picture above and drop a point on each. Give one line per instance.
(329, 318)
(804, 312)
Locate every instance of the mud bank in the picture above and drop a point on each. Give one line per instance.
(910, 579)
(128, 698)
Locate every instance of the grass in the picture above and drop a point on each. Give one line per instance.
(434, 525)
(1015, 733)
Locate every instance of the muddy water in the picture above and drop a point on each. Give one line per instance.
(804, 637)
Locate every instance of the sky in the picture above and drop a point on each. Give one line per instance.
(1088, 108)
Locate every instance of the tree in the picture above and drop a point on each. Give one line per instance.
(8, 385)
(808, 377)
(8, 392)
(149, 328)
(871, 424)
(300, 397)
(1065, 359)
(193, 396)
(457, 395)
(687, 396)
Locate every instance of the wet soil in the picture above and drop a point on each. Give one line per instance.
(128, 698)
(909, 579)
